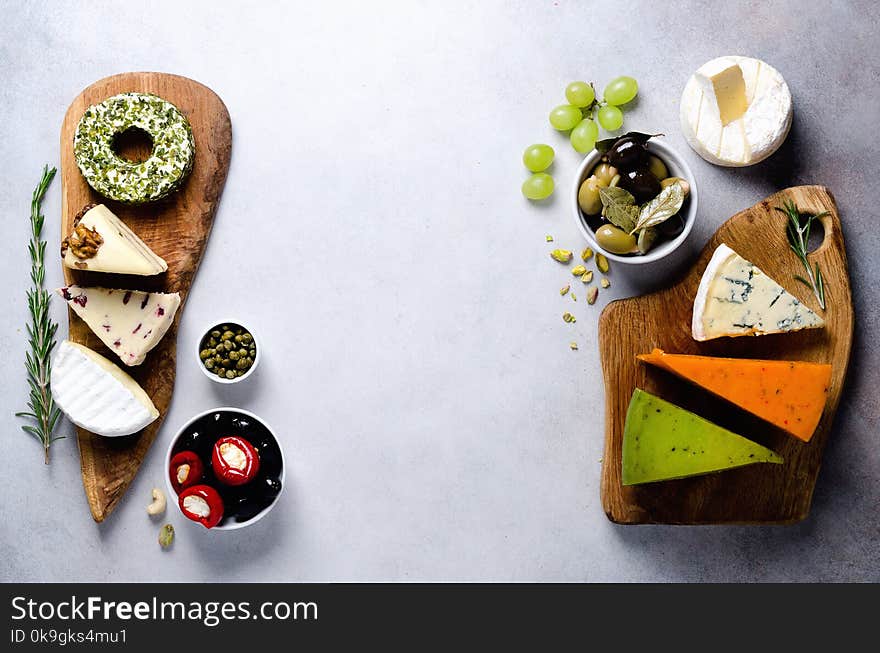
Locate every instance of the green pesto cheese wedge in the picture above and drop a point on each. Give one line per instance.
(662, 441)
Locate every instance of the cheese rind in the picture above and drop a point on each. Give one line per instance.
(663, 442)
(129, 322)
(788, 394)
(735, 298)
(96, 395)
(735, 111)
(122, 252)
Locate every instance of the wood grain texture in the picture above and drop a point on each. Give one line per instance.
(177, 229)
(758, 493)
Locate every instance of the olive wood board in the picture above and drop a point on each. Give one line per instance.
(176, 228)
(756, 494)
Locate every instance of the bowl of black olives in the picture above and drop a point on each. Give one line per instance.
(225, 469)
(634, 198)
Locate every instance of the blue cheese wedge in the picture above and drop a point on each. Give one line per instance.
(96, 395)
(736, 298)
(101, 242)
(129, 322)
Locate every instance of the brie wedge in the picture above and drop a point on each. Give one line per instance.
(129, 322)
(119, 249)
(736, 298)
(96, 395)
(735, 111)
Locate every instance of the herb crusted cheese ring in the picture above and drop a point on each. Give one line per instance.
(168, 165)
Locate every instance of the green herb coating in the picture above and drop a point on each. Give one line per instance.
(163, 172)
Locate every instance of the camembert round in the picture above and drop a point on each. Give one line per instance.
(736, 111)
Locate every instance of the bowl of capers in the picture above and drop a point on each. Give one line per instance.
(228, 352)
(634, 198)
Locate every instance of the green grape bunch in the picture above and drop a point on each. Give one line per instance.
(581, 117)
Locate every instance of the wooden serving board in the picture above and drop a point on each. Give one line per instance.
(176, 228)
(757, 493)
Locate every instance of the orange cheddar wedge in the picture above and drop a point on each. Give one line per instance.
(788, 394)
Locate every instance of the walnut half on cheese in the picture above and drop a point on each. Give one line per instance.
(101, 242)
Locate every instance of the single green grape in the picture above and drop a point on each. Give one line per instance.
(565, 117)
(583, 137)
(621, 90)
(538, 187)
(580, 94)
(610, 117)
(538, 157)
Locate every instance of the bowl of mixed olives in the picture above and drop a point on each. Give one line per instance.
(634, 198)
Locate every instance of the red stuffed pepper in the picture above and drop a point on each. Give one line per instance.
(186, 469)
(235, 460)
(202, 504)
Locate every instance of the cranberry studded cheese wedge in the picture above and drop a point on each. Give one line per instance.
(788, 394)
(736, 298)
(662, 442)
(129, 322)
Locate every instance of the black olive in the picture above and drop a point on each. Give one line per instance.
(672, 227)
(248, 508)
(269, 487)
(627, 154)
(241, 423)
(642, 183)
(595, 221)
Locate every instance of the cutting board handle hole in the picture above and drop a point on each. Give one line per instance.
(134, 145)
(817, 235)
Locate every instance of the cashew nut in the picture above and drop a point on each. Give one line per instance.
(158, 505)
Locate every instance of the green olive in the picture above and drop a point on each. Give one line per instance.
(657, 166)
(604, 172)
(588, 197)
(615, 240)
(686, 187)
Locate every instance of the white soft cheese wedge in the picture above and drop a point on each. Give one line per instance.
(121, 251)
(129, 322)
(736, 111)
(736, 298)
(96, 395)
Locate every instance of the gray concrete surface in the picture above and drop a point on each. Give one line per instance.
(437, 425)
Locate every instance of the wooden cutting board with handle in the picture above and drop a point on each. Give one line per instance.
(757, 493)
(176, 228)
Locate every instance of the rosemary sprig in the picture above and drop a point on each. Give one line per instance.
(41, 331)
(798, 240)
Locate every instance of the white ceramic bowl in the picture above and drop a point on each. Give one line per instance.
(204, 334)
(677, 167)
(172, 494)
